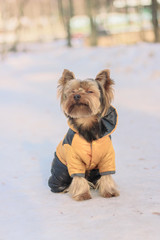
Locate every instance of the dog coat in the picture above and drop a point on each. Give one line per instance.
(74, 155)
(79, 155)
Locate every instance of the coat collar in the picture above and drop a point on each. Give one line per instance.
(108, 122)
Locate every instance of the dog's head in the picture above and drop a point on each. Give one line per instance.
(90, 97)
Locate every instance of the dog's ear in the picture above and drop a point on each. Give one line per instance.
(104, 79)
(66, 76)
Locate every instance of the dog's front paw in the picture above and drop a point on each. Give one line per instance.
(107, 187)
(81, 197)
(80, 189)
(109, 194)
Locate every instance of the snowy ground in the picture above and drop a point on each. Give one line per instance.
(32, 124)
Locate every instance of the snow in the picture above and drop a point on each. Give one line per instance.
(32, 124)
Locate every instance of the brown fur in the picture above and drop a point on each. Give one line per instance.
(106, 82)
(86, 122)
(91, 91)
(85, 113)
(80, 189)
(89, 103)
(107, 187)
(66, 76)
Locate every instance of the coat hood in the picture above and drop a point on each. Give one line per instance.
(109, 122)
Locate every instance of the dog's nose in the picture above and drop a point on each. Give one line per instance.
(77, 97)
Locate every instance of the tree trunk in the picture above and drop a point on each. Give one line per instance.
(139, 9)
(66, 12)
(3, 47)
(93, 36)
(154, 8)
(61, 12)
(69, 44)
(21, 4)
(69, 16)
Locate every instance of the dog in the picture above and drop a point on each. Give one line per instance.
(85, 158)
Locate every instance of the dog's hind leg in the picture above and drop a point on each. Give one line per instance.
(80, 189)
(107, 187)
(60, 179)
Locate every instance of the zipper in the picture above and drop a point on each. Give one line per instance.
(91, 156)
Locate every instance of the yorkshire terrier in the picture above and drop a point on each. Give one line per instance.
(85, 158)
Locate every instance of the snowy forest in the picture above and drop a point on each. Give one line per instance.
(97, 22)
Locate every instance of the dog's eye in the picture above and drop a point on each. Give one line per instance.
(73, 91)
(89, 91)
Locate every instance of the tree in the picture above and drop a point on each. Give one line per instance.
(90, 4)
(154, 7)
(66, 12)
(20, 13)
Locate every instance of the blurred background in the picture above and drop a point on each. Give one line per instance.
(87, 22)
(38, 39)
